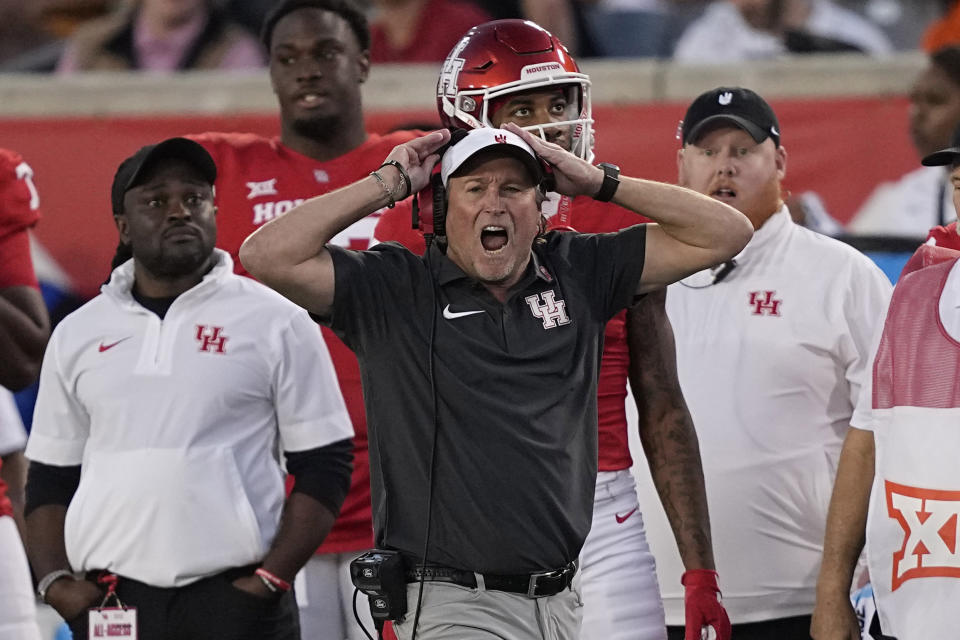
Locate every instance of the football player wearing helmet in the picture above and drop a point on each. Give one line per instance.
(513, 71)
(24, 330)
(498, 62)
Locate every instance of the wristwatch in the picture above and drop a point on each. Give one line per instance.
(611, 180)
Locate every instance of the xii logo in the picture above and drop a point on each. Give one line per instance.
(929, 521)
(260, 189)
(552, 312)
(764, 304)
(211, 340)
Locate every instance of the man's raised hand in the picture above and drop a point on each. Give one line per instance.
(418, 157)
(574, 175)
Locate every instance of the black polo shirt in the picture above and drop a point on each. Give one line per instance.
(516, 395)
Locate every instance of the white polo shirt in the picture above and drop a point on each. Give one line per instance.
(771, 361)
(178, 423)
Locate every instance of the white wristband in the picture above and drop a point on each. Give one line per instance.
(49, 579)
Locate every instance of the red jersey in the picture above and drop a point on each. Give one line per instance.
(586, 215)
(259, 179)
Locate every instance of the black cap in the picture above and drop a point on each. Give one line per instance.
(739, 106)
(132, 169)
(948, 156)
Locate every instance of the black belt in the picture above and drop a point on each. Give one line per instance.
(532, 585)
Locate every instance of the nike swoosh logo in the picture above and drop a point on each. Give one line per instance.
(623, 518)
(453, 315)
(105, 347)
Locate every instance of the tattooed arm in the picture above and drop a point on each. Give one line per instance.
(666, 429)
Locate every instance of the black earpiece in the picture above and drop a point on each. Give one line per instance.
(456, 135)
(549, 182)
(436, 184)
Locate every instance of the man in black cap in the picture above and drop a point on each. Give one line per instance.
(771, 377)
(899, 458)
(174, 389)
(946, 235)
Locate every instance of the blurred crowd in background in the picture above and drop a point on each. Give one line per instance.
(163, 36)
(66, 36)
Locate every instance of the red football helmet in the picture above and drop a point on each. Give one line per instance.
(503, 57)
(19, 202)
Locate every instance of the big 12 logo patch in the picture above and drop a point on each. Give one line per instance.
(929, 518)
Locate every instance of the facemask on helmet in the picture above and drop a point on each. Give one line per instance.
(498, 59)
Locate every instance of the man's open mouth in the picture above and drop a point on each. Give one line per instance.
(493, 238)
(309, 98)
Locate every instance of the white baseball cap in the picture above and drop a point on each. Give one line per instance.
(483, 138)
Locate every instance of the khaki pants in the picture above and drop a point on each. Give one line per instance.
(452, 612)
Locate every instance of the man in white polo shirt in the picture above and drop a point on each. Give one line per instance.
(167, 399)
(898, 484)
(771, 352)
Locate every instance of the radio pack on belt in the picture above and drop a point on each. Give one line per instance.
(379, 573)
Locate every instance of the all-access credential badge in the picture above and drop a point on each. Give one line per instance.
(111, 622)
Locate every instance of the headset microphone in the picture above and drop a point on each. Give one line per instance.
(724, 271)
(717, 275)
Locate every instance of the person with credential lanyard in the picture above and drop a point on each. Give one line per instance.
(480, 361)
(163, 406)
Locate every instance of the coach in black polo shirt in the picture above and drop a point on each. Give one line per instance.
(487, 349)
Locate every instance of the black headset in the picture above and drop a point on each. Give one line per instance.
(548, 183)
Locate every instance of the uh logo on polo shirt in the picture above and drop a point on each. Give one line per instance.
(771, 352)
(543, 306)
(412, 320)
(178, 422)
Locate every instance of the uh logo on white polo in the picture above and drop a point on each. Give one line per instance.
(211, 339)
